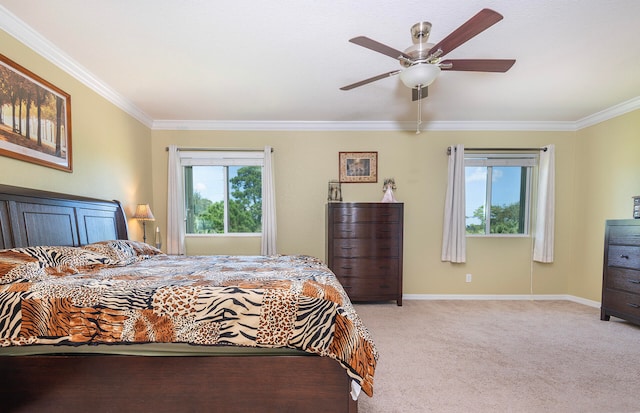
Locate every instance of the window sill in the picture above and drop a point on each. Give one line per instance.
(244, 235)
(498, 236)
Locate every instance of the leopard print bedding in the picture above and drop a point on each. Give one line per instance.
(127, 292)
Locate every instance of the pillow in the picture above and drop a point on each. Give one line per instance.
(50, 256)
(123, 252)
(16, 266)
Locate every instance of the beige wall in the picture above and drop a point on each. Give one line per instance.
(607, 177)
(116, 157)
(306, 161)
(111, 157)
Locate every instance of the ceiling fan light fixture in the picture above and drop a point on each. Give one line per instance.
(421, 74)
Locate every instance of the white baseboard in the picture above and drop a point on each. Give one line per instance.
(533, 297)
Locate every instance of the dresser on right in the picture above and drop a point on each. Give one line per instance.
(621, 273)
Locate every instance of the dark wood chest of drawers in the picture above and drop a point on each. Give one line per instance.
(621, 274)
(364, 249)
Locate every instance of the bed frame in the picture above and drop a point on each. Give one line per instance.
(113, 383)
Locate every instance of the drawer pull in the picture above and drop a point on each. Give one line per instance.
(633, 305)
(626, 257)
(634, 281)
(346, 248)
(347, 268)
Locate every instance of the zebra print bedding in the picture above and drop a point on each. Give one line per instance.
(121, 292)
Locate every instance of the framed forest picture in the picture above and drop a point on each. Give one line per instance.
(35, 118)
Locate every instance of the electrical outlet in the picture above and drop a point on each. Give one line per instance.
(468, 278)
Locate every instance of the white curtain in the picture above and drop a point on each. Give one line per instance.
(175, 209)
(545, 211)
(269, 228)
(454, 231)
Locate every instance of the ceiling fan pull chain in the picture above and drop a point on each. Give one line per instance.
(419, 109)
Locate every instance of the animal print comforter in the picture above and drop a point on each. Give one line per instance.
(129, 292)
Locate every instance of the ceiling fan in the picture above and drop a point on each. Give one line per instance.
(423, 61)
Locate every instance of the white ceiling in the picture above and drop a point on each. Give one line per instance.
(280, 64)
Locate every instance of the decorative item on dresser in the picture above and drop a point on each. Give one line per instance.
(388, 188)
(335, 191)
(364, 241)
(621, 274)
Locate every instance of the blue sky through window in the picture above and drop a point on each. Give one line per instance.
(209, 182)
(505, 188)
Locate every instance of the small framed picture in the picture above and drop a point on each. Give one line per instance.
(335, 192)
(358, 167)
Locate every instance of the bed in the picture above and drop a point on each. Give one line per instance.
(116, 352)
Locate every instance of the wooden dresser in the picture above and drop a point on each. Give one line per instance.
(364, 249)
(621, 274)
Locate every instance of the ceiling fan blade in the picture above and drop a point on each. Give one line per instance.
(371, 79)
(424, 92)
(477, 65)
(378, 47)
(474, 26)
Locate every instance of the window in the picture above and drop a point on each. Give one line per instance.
(222, 192)
(497, 193)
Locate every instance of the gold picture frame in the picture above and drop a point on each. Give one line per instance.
(358, 167)
(35, 118)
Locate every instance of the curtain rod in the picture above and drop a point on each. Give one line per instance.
(219, 149)
(499, 149)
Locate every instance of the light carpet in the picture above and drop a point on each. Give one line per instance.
(501, 356)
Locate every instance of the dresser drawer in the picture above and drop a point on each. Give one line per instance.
(353, 248)
(624, 234)
(370, 288)
(363, 230)
(623, 279)
(623, 256)
(354, 215)
(365, 267)
(622, 303)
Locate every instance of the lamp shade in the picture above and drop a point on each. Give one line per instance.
(421, 74)
(143, 213)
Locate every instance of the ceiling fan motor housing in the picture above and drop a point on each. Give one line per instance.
(420, 48)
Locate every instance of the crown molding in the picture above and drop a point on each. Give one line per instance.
(25, 34)
(360, 126)
(34, 40)
(609, 113)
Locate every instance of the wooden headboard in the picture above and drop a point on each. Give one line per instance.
(31, 217)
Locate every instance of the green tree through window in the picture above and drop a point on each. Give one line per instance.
(239, 187)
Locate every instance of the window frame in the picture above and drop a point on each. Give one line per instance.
(491, 160)
(224, 158)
